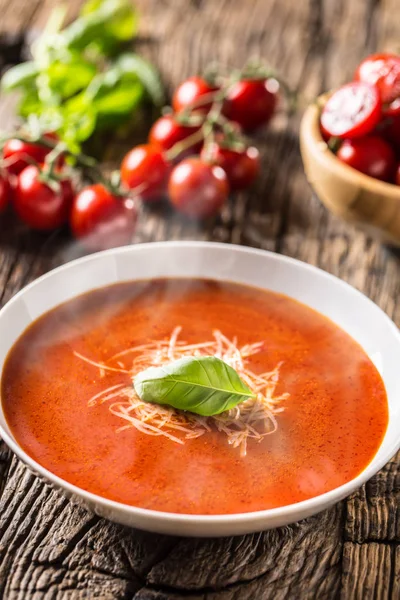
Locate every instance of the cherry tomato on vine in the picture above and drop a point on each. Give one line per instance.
(198, 189)
(145, 170)
(37, 204)
(351, 111)
(398, 175)
(189, 95)
(5, 192)
(383, 70)
(102, 220)
(251, 102)
(167, 131)
(241, 167)
(19, 155)
(370, 155)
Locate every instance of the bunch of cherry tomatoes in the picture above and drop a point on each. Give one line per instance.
(361, 120)
(196, 155)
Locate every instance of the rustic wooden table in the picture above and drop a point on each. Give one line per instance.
(52, 549)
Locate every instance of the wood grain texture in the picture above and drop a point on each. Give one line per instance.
(373, 513)
(51, 549)
(370, 571)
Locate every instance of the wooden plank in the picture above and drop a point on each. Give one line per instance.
(370, 572)
(16, 16)
(373, 513)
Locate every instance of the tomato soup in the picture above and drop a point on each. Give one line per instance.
(332, 413)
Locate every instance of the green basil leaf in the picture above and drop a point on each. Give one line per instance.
(50, 118)
(206, 385)
(69, 77)
(30, 103)
(115, 96)
(124, 25)
(79, 119)
(19, 76)
(79, 126)
(112, 21)
(91, 6)
(74, 122)
(117, 105)
(133, 64)
(103, 83)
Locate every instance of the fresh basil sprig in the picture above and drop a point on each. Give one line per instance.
(203, 385)
(84, 79)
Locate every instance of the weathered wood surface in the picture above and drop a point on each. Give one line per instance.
(50, 549)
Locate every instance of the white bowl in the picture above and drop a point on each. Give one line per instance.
(352, 311)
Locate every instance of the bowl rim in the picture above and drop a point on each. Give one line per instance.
(312, 505)
(310, 135)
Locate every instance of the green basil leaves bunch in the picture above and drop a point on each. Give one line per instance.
(84, 78)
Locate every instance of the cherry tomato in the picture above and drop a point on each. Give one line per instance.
(189, 95)
(241, 167)
(17, 155)
(5, 192)
(251, 102)
(370, 155)
(383, 70)
(101, 220)
(324, 135)
(390, 130)
(145, 170)
(20, 154)
(352, 111)
(37, 204)
(398, 175)
(198, 189)
(166, 132)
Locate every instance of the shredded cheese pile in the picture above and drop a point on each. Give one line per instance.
(252, 419)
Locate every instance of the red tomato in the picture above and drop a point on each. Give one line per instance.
(166, 132)
(241, 168)
(5, 192)
(370, 155)
(352, 111)
(251, 102)
(101, 220)
(197, 189)
(37, 204)
(145, 170)
(398, 175)
(324, 135)
(390, 130)
(189, 95)
(383, 70)
(21, 154)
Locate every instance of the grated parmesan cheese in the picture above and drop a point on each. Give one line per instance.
(252, 419)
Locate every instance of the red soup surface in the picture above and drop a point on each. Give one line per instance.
(332, 423)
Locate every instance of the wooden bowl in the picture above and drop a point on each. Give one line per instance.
(357, 198)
